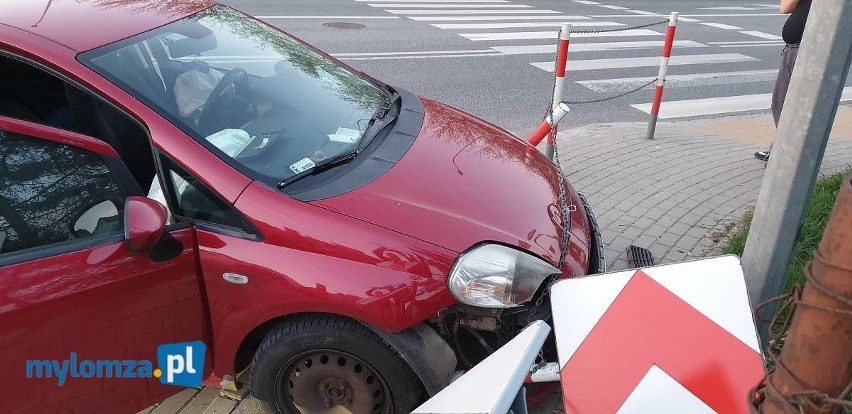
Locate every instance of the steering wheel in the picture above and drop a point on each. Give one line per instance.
(209, 121)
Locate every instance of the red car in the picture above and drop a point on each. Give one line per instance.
(351, 243)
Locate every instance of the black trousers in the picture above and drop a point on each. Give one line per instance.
(788, 60)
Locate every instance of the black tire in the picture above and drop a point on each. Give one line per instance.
(305, 348)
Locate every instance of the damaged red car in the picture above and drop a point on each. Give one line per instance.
(180, 171)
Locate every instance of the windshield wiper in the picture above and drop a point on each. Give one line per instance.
(378, 122)
(388, 98)
(319, 167)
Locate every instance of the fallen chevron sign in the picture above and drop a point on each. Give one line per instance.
(672, 338)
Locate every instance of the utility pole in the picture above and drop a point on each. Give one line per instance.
(815, 365)
(803, 130)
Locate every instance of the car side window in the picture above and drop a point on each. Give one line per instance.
(33, 94)
(197, 202)
(53, 194)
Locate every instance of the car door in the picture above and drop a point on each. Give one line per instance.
(71, 292)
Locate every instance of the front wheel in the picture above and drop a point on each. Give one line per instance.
(325, 364)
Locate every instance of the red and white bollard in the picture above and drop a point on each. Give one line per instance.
(543, 130)
(559, 80)
(661, 78)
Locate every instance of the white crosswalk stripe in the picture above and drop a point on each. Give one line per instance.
(487, 11)
(709, 106)
(552, 35)
(435, 1)
(469, 26)
(650, 61)
(761, 34)
(723, 26)
(595, 47)
(451, 6)
(508, 28)
(609, 86)
(560, 18)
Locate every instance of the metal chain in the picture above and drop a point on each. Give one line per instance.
(609, 98)
(555, 59)
(565, 210)
(621, 29)
(564, 207)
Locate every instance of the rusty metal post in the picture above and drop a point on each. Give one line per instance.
(817, 355)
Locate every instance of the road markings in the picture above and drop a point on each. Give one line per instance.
(594, 47)
(495, 18)
(421, 11)
(646, 13)
(611, 16)
(723, 26)
(327, 17)
(436, 1)
(463, 55)
(689, 80)
(761, 35)
(552, 35)
(650, 61)
(500, 20)
(452, 6)
(754, 45)
(411, 53)
(744, 42)
(453, 26)
(713, 106)
(728, 8)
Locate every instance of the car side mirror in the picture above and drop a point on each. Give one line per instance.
(144, 222)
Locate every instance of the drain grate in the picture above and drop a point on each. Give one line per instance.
(344, 25)
(639, 256)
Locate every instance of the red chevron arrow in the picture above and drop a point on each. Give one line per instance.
(649, 325)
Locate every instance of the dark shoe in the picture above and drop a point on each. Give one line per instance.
(762, 155)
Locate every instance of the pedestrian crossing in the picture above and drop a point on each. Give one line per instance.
(712, 106)
(595, 47)
(508, 27)
(650, 61)
(477, 37)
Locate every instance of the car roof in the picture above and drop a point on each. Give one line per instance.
(82, 25)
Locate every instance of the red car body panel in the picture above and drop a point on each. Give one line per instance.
(461, 174)
(100, 302)
(48, 133)
(343, 255)
(352, 268)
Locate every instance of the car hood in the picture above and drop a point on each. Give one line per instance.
(465, 181)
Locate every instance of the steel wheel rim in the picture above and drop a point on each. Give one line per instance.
(329, 381)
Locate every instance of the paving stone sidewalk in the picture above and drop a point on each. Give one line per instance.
(676, 195)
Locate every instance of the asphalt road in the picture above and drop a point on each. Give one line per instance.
(479, 55)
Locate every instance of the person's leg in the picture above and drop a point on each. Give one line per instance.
(779, 94)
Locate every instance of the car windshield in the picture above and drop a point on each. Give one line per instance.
(245, 90)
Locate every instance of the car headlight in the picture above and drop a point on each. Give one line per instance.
(495, 276)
